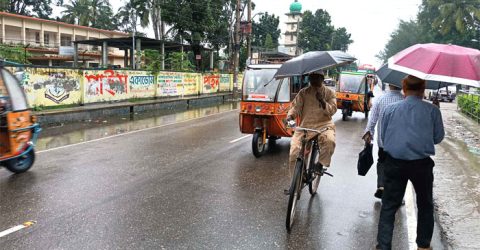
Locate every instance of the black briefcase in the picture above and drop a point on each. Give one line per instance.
(365, 159)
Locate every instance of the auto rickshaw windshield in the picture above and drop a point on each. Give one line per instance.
(351, 84)
(259, 85)
(14, 92)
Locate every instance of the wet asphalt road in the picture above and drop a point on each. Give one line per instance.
(183, 185)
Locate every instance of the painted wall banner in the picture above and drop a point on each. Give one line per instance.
(168, 83)
(177, 84)
(225, 81)
(240, 81)
(54, 86)
(141, 84)
(105, 85)
(210, 83)
(190, 83)
(50, 87)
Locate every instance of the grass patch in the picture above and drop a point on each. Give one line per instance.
(62, 106)
(470, 104)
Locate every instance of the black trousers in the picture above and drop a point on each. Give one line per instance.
(397, 174)
(380, 171)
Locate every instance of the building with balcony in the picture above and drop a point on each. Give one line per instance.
(51, 43)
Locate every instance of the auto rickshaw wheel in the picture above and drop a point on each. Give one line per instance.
(258, 147)
(21, 164)
(272, 142)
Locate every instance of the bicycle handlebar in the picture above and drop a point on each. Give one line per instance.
(312, 130)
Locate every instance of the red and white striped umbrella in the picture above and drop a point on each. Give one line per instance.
(439, 62)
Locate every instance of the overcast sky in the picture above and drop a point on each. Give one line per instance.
(369, 21)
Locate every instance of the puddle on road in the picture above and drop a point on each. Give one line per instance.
(66, 134)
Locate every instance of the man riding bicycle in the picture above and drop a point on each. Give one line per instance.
(315, 105)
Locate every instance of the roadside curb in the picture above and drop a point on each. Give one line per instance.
(96, 111)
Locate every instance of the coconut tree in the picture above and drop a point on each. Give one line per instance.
(77, 12)
(134, 13)
(456, 15)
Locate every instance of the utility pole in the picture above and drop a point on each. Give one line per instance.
(236, 50)
(249, 35)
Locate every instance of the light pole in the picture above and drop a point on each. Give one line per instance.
(236, 49)
(249, 36)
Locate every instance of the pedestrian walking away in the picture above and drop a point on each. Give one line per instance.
(315, 105)
(409, 131)
(378, 108)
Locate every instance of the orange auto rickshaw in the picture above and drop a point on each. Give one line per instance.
(18, 128)
(354, 92)
(265, 104)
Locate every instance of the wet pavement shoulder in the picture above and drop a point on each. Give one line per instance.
(457, 175)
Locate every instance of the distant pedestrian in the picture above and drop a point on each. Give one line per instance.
(378, 108)
(410, 129)
(436, 102)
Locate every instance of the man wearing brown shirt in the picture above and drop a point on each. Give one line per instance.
(314, 105)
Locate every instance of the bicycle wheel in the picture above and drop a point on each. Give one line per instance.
(296, 188)
(315, 179)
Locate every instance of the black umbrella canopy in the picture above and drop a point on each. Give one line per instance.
(313, 61)
(394, 77)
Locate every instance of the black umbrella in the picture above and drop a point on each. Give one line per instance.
(395, 78)
(313, 61)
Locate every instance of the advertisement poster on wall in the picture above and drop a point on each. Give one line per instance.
(191, 83)
(210, 83)
(168, 83)
(105, 85)
(225, 82)
(141, 84)
(50, 87)
(178, 84)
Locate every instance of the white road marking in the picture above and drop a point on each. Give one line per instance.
(411, 217)
(239, 139)
(132, 132)
(17, 228)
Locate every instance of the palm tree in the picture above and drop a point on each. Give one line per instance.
(92, 13)
(99, 8)
(134, 12)
(77, 12)
(456, 15)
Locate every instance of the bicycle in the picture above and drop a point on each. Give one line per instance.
(304, 173)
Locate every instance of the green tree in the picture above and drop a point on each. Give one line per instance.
(13, 53)
(438, 21)
(437, 26)
(77, 12)
(406, 35)
(316, 31)
(153, 61)
(132, 14)
(267, 25)
(459, 15)
(157, 20)
(179, 61)
(269, 44)
(341, 39)
(196, 21)
(38, 8)
(91, 13)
